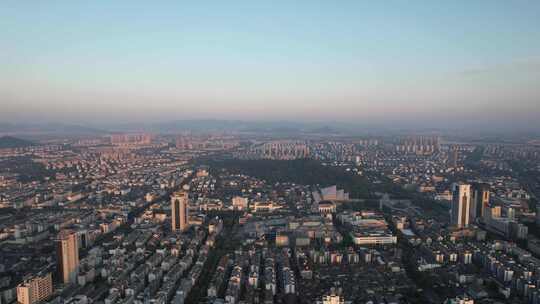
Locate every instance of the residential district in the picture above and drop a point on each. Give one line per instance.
(135, 218)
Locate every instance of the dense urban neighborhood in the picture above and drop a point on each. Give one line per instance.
(239, 218)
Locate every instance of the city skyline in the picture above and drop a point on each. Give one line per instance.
(411, 64)
(299, 152)
(258, 217)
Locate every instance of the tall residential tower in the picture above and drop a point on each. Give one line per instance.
(179, 211)
(67, 249)
(480, 200)
(461, 205)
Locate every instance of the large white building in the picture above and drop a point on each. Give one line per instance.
(373, 238)
(267, 206)
(332, 193)
(369, 228)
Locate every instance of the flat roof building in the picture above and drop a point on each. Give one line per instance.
(67, 250)
(35, 289)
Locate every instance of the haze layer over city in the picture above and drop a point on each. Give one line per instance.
(239, 152)
(416, 64)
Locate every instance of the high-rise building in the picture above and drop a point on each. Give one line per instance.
(67, 249)
(131, 139)
(461, 205)
(179, 210)
(35, 289)
(453, 157)
(421, 145)
(480, 200)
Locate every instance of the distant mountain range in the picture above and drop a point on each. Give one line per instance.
(35, 131)
(44, 131)
(14, 142)
(209, 125)
(38, 130)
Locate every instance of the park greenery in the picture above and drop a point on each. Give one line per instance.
(299, 171)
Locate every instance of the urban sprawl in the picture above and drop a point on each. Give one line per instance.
(137, 218)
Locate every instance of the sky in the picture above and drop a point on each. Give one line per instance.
(386, 62)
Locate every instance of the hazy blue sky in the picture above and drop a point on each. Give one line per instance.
(391, 61)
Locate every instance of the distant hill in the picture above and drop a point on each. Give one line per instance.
(325, 130)
(14, 142)
(211, 125)
(41, 130)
